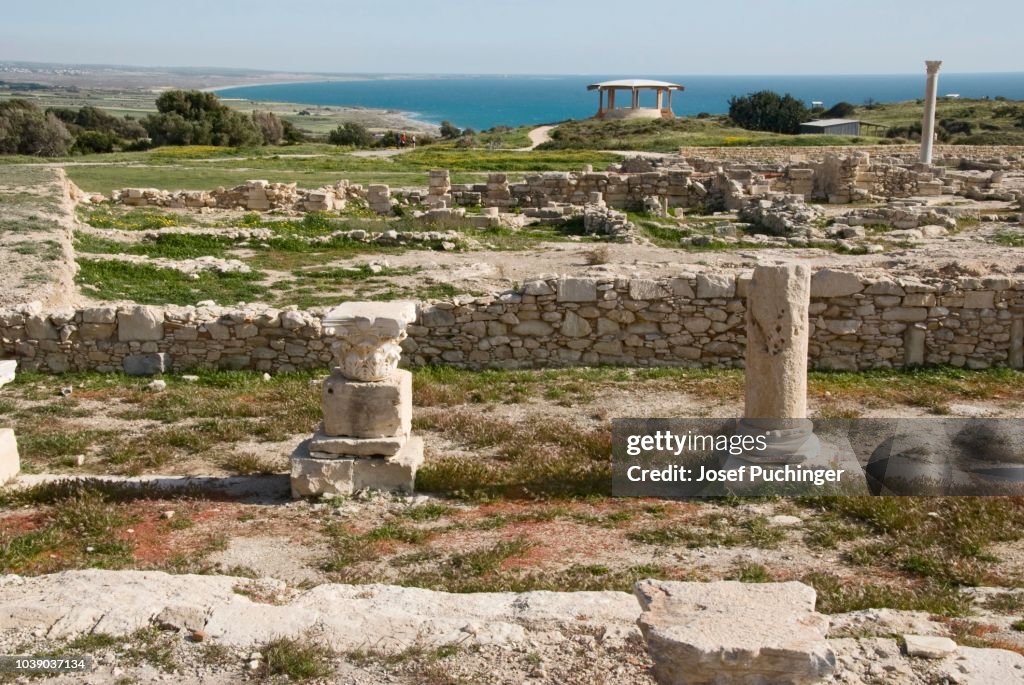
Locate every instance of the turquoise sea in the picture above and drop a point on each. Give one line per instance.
(481, 102)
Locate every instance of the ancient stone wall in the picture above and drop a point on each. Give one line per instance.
(944, 155)
(697, 320)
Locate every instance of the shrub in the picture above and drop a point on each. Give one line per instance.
(768, 111)
(840, 110)
(270, 126)
(88, 142)
(449, 130)
(196, 118)
(351, 133)
(27, 130)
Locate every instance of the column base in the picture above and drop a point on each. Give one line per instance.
(318, 473)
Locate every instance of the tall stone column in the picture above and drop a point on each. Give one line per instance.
(776, 365)
(777, 327)
(928, 124)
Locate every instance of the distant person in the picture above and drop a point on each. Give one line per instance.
(402, 141)
(414, 142)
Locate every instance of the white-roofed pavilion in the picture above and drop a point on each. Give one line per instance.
(608, 90)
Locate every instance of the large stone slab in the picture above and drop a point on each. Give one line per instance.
(577, 290)
(10, 462)
(980, 666)
(732, 632)
(317, 473)
(360, 409)
(348, 617)
(146, 364)
(140, 323)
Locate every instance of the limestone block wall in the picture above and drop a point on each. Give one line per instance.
(702, 158)
(696, 320)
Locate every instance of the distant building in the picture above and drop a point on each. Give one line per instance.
(832, 127)
(632, 88)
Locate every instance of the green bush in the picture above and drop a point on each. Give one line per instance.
(768, 111)
(351, 133)
(27, 130)
(192, 117)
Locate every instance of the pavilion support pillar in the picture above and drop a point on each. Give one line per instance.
(657, 99)
(611, 98)
(600, 103)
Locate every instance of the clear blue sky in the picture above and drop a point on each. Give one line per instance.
(523, 36)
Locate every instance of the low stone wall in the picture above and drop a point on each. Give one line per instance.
(696, 321)
(943, 155)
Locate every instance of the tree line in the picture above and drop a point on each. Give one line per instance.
(182, 118)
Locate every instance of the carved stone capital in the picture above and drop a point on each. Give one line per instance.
(933, 66)
(367, 337)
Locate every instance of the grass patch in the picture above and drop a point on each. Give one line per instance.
(713, 530)
(839, 595)
(299, 660)
(940, 540)
(550, 459)
(145, 284)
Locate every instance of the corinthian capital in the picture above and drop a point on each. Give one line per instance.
(933, 66)
(367, 337)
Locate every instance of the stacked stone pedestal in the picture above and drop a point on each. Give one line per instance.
(364, 441)
(439, 193)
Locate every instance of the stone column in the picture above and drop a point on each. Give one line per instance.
(776, 364)
(777, 327)
(928, 124)
(364, 442)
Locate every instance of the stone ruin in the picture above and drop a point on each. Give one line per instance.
(257, 196)
(364, 441)
(10, 461)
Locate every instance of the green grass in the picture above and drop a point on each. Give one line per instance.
(146, 284)
(298, 660)
(940, 540)
(1011, 239)
(165, 246)
(668, 135)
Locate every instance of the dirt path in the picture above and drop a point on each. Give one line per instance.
(538, 136)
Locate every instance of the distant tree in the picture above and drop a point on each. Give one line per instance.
(449, 130)
(25, 129)
(840, 110)
(270, 127)
(193, 117)
(292, 133)
(88, 142)
(351, 133)
(768, 111)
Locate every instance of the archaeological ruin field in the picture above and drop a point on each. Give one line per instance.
(174, 314)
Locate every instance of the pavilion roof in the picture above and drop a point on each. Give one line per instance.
(635, 83)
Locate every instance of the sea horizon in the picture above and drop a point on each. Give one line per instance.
(482, 101)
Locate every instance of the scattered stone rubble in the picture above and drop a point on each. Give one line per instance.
(363, 442)
(787, 216)
(599, 219)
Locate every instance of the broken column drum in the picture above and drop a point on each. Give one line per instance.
(776, 365)
(364, 442)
